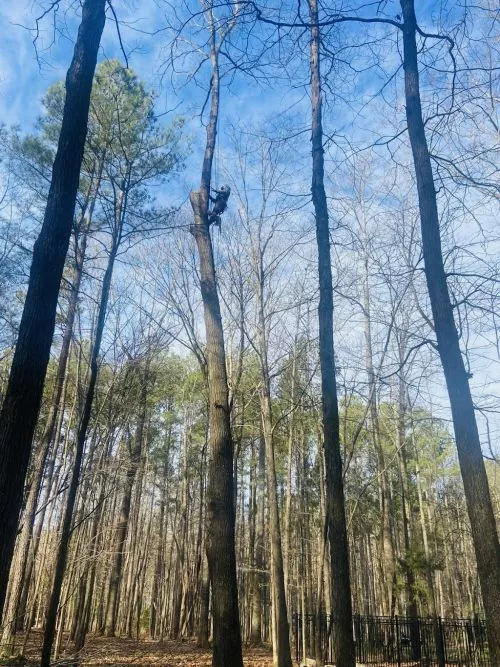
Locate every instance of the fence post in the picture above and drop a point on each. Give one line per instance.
(384, 639)
(398, 646)
(296, 631)
(470, 637)
(357, 643)
(304, 629)
(312, 646)
(441, 644)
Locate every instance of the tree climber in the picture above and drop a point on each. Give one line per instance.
(219, 204)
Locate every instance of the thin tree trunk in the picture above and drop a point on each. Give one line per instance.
(83, 609)
(479, 506)
(385, 539)
(202, 578)
(181, 536)
(12, 612)
(75, 475)
(53, 481)
(86, 537)
(25, 387)
(428, 567)
(122, 527)
(425, 542)
(221, 554)
(203, 629)
(281, 645)
(155, 616)
(281, 650)
(258, 555)
(412, 606)
(335, 504)
(291, 444)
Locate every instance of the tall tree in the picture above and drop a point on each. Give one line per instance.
(221, 554)
(39, 149)
(24, 391)
(136, 155)
(261, 220)
(479, 506)
(336, 528)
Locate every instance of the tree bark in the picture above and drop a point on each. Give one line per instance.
(203, 629)
(479, 506)
(335, 506)
(281, 650)
(15, 609)
(122, 527)
(385, 539)
(281, 645)
(62, 554)
(291, 444)
(258, 555)
(83, 609)
(25, 387)
(411, 599)
(221, 554)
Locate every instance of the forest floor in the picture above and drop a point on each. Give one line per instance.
(122, 652)
(106, 652)
(102, 651)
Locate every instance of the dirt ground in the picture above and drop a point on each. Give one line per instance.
(117, 652)
(102, 651)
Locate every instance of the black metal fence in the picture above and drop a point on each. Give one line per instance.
(396, 640)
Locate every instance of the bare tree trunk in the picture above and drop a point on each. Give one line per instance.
(220, 515)
(258, 561)
(479, 506)
(203, 630)
(412, 606)
(181, 536)
(202, 578)
(159, 567)
(51, 475)
(335, 505)
(291, 444)
(122, 527)
(428, 566)
(25, 387)
(281, 650)
(221, 554)
(12, 613)
(425, 540)
(385, 539)
(281, 640)
(53, 481)
(85, 547)
(84, 607)
(62, 553)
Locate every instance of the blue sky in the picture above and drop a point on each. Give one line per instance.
(26, 72)
(23, 79)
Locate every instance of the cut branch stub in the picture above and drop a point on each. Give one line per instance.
(199, 204)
